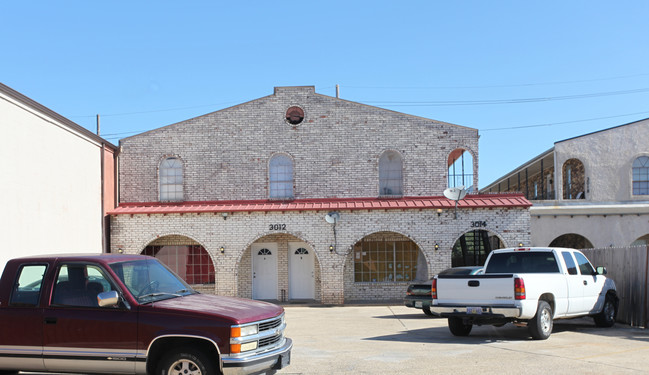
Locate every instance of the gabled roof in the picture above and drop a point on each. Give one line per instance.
(308, 90)
(49, 113)
(603, 130)
(351, 204)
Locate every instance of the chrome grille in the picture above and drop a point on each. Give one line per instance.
(269, 340)
(270, 324)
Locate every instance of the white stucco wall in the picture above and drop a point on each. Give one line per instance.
(51, 185)
(608, 158)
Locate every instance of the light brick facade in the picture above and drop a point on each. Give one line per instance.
(335, 153)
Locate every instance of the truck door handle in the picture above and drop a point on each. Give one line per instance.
(474, 283)
(585, 282)
(50, 320)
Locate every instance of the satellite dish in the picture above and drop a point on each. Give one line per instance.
(332, 217)
(455, 193)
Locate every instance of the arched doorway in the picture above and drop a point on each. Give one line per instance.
(186, 257)
(572, 240)
(279, 267)
(472, 248)
(641, 241)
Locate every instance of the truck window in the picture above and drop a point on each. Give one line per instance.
(27, 290)
(523, 262)
(584, 265)
(570, 263)
(79, 285)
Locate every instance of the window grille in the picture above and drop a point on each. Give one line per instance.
(390, 174)
(281, 177)
(171, 180)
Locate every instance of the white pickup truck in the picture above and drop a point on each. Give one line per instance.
(526, 286)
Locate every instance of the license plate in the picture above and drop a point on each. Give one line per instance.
(474, 310)
(418, 304)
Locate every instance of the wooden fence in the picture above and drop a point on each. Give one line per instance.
(629, 267)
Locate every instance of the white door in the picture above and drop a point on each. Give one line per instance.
(264, 270)
(301, 271)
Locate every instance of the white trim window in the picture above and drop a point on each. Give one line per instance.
(641, 176)
(281, 177)
(390, 174)
(171, 179)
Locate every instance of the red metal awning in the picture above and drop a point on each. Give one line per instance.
(348, 204)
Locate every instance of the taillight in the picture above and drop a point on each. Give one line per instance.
(433, 289)
(519, 288)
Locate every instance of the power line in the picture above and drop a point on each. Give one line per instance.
(504, 101)
(495, 86)
(562, 123)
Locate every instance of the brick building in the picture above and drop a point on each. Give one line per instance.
(302, 196)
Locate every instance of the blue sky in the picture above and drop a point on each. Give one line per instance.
(526, 74)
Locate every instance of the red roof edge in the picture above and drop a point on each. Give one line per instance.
(326, 204)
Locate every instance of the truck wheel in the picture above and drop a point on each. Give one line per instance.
(458, 327)
(606, 318)
(427, 310)
(541, 325)
(188, 361)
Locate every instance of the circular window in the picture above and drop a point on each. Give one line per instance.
(294, 115)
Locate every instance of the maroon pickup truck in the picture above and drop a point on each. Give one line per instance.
(129, 314)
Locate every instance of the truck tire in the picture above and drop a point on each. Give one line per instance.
(540, 326)
(185, 361)
(458, 327)
(608, 315)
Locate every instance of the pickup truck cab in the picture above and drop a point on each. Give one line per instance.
(129, 314)
(526, 286)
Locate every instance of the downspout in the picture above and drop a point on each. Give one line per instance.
(103, 197)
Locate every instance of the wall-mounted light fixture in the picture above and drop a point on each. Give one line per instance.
(225, 215)
(520, 244)
(439, 212)
(120, 250)
(331, 248)
(222, 249)
(436, 247)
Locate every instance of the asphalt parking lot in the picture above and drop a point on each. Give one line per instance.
(401, 340)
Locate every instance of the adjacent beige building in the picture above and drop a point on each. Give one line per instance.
(588, 191)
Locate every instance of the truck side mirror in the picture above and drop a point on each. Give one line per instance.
(601, 270)
(108, 299)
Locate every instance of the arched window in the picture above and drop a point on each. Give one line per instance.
(191, 262)
(171, 179)
(460, 169)
(387, 257)
(390, 174)
(281, 177)
(574, 179)
(641, 176)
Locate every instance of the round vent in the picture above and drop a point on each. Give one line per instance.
(294, 115)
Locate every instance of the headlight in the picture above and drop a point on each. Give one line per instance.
(244, 331)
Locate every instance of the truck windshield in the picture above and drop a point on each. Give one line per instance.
(523, 262)
(150, 281)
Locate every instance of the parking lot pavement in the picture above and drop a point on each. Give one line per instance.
(401, 340)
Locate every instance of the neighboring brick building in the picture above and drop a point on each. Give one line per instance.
(301, 196)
